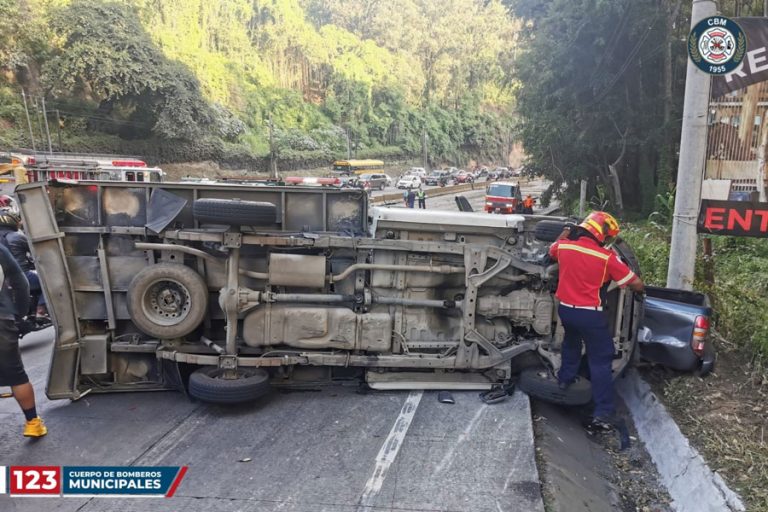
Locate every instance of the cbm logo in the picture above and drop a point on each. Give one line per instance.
(717, 45)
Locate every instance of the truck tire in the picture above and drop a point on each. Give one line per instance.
(539, 383)
(234, 212)
(548, 230)
(167, 300)
(207, 384)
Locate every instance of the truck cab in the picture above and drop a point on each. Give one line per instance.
(503, 197)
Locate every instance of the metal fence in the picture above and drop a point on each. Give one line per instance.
(736, 140)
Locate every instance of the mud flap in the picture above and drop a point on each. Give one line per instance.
(172, 376)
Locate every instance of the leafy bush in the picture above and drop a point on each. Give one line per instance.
(225, 124)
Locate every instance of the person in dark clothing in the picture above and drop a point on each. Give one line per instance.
(17, 243)
(585, 266)
(411, 198)
(14, 302)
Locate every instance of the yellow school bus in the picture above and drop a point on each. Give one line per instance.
(348, 167)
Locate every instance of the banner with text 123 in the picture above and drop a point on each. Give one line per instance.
(754, 67)
(734, 218)
(121, 480)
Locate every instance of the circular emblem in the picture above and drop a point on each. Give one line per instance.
(717, 45)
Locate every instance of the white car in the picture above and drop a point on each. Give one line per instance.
(407, 182)
(417, 171)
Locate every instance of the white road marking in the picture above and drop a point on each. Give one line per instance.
(390, 449)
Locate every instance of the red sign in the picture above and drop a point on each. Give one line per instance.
(35, 481)
(734, 218)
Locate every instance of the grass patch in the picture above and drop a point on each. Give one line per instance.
(725, 416)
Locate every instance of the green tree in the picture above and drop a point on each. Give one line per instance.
(106, 54)
(590, 98)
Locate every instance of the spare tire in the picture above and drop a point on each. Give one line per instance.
(548, 230)
(539, 383)
(167, 300)
(234, 212)
(207, 384)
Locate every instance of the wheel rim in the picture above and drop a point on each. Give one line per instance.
(166, 302)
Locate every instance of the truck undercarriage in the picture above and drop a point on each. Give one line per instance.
(278, 285)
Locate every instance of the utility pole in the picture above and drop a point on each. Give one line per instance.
(690, 169)
(29, 122)
(39, 122)
(47, 131)
(272, 156)
(582, 198)
(349, 147)
(425, 150)
(58, 128)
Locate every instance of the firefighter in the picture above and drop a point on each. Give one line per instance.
(14, 302)
(422, 197)
(585, 266)
(528, 203)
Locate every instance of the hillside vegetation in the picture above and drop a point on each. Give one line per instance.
(198, 79)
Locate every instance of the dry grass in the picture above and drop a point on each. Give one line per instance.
(726, 417)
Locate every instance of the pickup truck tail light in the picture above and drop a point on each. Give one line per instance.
(700, 330)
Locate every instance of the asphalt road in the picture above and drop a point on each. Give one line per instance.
(325, 449)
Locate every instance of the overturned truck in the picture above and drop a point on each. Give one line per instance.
(223, 290)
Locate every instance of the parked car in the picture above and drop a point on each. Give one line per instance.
(376, 181)
(437, 178)
(319, 291)
(407, 182)
(464, 177)
(502, 172)
(503, 197)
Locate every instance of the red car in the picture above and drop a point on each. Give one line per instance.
(463, 177)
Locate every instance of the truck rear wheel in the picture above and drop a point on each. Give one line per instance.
(234, 212)
(167, 300)
(209, 385)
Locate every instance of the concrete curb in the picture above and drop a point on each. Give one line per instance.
(693, 486)
(432, 192)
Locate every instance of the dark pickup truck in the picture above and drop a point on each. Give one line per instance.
(676, 329)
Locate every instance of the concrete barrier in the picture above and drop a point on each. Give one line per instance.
(431, 192)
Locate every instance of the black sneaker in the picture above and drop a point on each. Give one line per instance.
(600, 424)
